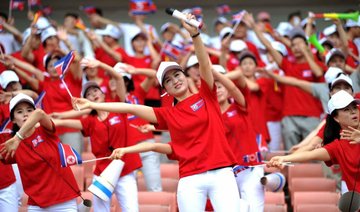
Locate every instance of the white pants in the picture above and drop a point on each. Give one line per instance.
(126, 194)
(151, 169)
(274, 128)
(219, 185)
(19, 187)
(344, 187)
(8, 199)
(69, 206)
(250, 188)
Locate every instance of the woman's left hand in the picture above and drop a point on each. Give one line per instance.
(351, 134)
(9, 147)
(191, 29)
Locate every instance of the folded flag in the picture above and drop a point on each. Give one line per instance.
(62, 65)
(68, 155)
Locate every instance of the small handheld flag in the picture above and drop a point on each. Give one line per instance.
(38, 101)
(88, 9)
(223, 9)
(68, 156)
(33, 3)
(62, 65)
(17, 5)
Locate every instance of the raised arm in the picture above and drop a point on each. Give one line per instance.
(231, 87)
(315, 68)
(141, 147)
(201, 54)
(142, 111)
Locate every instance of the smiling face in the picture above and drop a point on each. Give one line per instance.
(22, 111)
(175, 83)
(139, 43)
(348, 116)
(221, 92)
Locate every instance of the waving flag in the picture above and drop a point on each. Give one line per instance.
(88, 9)
(62, 65)
(17, 5)
(80, 24)
(38, 101)
(237, 17)
(223, 9)
(33, 3)
(4, 128)
(37, 15)
(172, 50)
(68, 155)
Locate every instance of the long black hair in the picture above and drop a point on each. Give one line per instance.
(332, 128)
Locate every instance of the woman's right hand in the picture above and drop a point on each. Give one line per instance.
(277, 162)
(9, 147)
(80, 104)
(191, 29)
(117, 153)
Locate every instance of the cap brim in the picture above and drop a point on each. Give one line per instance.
(169, 68)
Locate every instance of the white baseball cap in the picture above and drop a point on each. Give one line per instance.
(88, 85)
(304, 22)
(340, 100)
(48, 32)
(42, 23)
(330, 30)
(165, 67)
(191, 61)
(6, 77)
(120, 68)
(219, 68)
(332, 73)
(342, 78)
(237, 45)
(284, 28)
(135, 32)
(225, 31)
(333, 52)
(164, 27)
(20, 98)
(110, 30)
(352, 23)
(280, 48)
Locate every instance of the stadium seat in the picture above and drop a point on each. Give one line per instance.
(275, 208)
(168, 184)
(315, 197)
(276, 198)
(317, 207)
(312, 184)
(304, 170)
(166, 199)
(153, 208)
(169, 170)
(88, 167)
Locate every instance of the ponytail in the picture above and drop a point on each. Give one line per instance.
(332, 129)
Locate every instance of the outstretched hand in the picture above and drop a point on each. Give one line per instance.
(117, 153)
(351, 134)
(80, 103)
(191, 29)
(9, 147)
(90, 62)
(277, 162)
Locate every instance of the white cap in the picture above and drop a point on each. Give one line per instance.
(225, 31)
(304, 22)
(164, 27)
(284, 28)
(325, 41)
(333, 52)
(135, 32)
(6, 77)
(120, 68)
(279, 47)
(191, 61)
(219, 68)
(18, 99)
(48, 32)
(220, 19)
(237, 46)
(329, 30)
(340, 100)
(352, 23)
(110, 30)
(88, 85)
(332, 73)
(165, 67)
(42, 23)
(342, 78)
(26, 34)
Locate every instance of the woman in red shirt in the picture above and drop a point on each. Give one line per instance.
(198, 138)
(35, 150)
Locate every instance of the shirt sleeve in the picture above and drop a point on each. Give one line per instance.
(173, 155)
(161, 118)
(332, 149)
(205, 90)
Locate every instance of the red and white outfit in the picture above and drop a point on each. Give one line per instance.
(150, 160)
(8, 193)
(105, 136)
(242, 140)
(199, 143)
(44, 180)
(347, 156)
